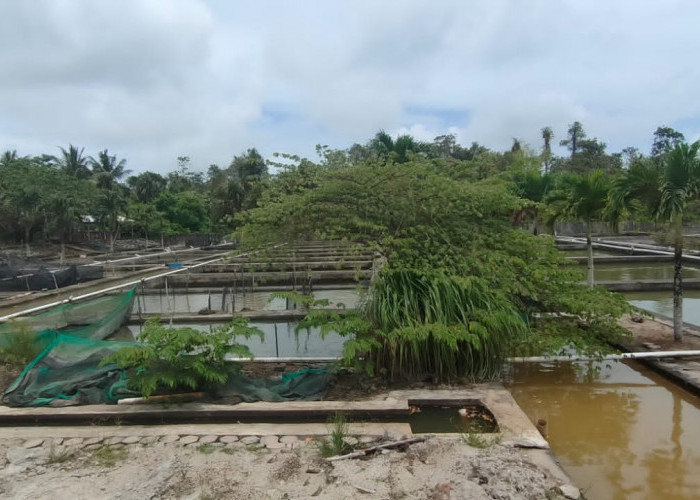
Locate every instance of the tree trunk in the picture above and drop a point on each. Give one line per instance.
(589, 247)
(63, 249)
(27, 234)
(677, 279)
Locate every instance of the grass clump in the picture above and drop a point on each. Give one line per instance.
(109, 456)
(59, 455)
(206, 448)
(336, 443)
(475, 437)
(20, 346)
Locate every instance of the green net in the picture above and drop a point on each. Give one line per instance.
(308, 384)
(93, 319)
(68, 372)
(67, 347)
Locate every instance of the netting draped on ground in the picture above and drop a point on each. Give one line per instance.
(68, 372)
(308, 384)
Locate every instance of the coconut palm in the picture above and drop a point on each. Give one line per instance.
(681, 184)
(106, 169)
(73, 162)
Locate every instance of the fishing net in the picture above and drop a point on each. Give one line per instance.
(94, 318)
(68, 347)
(68, 372)
(66, 342)
(27, 275)
(308, 384)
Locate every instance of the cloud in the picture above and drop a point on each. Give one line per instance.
(154, 79)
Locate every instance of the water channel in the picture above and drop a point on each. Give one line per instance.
(622, 432)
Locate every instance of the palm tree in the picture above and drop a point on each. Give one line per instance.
(107, 169)
(586, 198)
(547, 135)
(73, 162)
(147, 186)
(681, 184)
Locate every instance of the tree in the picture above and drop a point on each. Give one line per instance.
(457, 275)
(547, 136)
(106, 169)
(586, 198)
(681, 184)
(111, 206)
(665, 139)
(147, 186)
(575, 135)
(73, 162)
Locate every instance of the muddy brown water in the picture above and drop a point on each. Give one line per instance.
(622, 432)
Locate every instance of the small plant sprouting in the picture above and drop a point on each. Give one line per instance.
(474, 436)
(59, 455)
(336, 443)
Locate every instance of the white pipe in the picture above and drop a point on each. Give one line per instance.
(626, 246)
(609, 357)
(117, 287)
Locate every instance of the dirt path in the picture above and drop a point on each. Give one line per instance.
(437, 469)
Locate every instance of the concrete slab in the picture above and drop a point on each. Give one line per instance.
(173, 432)
(386, 406)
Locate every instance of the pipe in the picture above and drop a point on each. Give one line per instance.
(609, 357)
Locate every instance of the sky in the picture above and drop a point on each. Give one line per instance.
(151, 80)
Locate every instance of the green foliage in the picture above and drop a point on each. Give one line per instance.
(20, 346)
(461, 282)
(182, 357)
(336, 442)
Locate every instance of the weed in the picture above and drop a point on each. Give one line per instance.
(477, 439)
(228, 451)
(60, 455)
(21, 346)
(254, 447)
(338, 432)
(108, 456)
(206, 448)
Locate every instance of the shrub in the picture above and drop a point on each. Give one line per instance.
(182, 357)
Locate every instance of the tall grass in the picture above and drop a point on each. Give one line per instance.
(430, 323)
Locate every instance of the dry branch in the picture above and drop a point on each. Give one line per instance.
(372, 449)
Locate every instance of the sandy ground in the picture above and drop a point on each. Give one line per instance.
(658, 335)
(436, 469)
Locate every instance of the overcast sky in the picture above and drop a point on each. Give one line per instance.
(155, 79)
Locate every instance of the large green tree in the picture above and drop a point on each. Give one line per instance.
(458, 272)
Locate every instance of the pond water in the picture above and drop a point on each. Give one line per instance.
(622, 432)
(662, 303)
(181, 302)
(280, 340)
(640, 271)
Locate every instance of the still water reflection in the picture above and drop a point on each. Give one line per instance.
(662, 303)
(636, 271)
(621, 432)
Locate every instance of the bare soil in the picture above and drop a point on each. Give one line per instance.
(438, 469)
(658, 335)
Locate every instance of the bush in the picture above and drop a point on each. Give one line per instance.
(182, 357)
